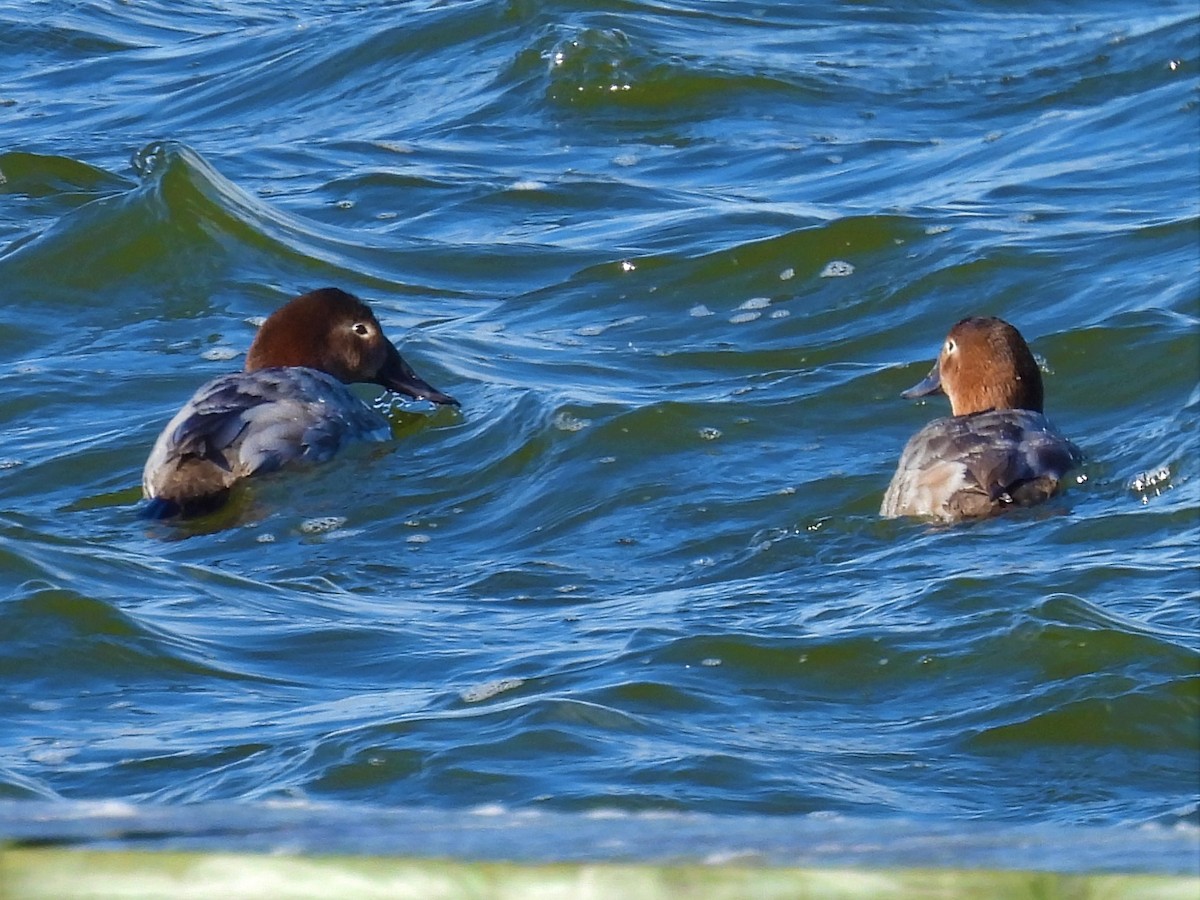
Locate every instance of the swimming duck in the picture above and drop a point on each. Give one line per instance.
(996, 450)
(289, 403)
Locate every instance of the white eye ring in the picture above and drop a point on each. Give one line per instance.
(950, 346)
(361, 329)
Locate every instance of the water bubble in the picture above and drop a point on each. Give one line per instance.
(711, 661)
(1151, 483)
(787, 274)
(417, 539)
(564, 421)
(490, 689)
(699, 311)
(593, 62)
(219, 354)
(837, 268)
(743, 317)
(710, 434)
(756, 303)
(322, 524)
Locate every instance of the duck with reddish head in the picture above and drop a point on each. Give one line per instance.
(289, 403)
(996, 450)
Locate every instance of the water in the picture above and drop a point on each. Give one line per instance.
(677, 261)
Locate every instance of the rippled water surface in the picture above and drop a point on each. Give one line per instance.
(677, 260)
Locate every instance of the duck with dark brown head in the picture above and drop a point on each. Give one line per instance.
(289, 403)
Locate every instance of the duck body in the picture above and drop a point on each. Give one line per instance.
(975, 466)
(279, 410)
(998, 450)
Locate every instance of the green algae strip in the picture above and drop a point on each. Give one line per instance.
(65, 874)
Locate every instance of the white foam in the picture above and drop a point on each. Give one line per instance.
(756, 303)
(564, 421)
(742, 317)
(837, 268)
(322, 524)
(489, 689)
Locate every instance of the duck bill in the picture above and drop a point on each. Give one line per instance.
(932, 384)
(397, 375)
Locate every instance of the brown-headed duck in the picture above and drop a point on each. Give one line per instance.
(996, 450)
(289, 403)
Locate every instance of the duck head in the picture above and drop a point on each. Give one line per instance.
(984, 364)
(335, 332)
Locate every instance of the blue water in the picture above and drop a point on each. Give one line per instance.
(677, 260)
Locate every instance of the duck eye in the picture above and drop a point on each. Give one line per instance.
(362, 329)
(950, 346)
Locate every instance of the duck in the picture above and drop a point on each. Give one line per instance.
(996, 450)
(289, 403)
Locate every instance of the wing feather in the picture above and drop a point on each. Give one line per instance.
(252, 422)
(978, 465)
